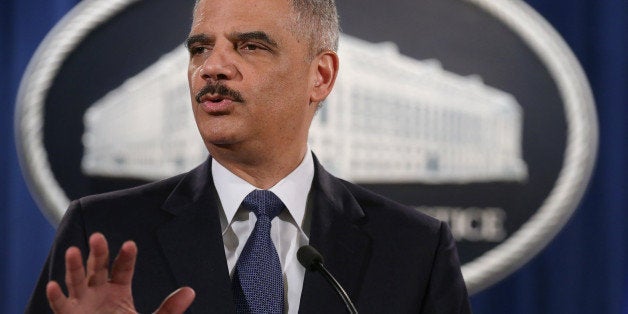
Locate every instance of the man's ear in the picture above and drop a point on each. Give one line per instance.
(325, 69)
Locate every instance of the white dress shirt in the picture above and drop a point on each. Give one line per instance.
(287, 231)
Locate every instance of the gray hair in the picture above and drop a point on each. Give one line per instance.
(316, 20)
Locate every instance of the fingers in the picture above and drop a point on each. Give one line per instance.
(56, 298)
(74, 273)
(177, 302)
(98, 260)
(124, 265)
(95, 286)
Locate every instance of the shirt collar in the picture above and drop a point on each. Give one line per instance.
(291, 190)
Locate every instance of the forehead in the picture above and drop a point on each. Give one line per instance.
(234, 15)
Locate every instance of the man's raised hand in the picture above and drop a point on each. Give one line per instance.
(98, 291)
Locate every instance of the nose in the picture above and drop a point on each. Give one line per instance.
(218, 65)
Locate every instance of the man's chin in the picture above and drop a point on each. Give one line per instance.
(218, 131)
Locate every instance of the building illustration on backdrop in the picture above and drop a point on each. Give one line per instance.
(390, 118)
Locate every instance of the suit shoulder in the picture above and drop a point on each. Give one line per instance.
(154, 192)
(382, 208)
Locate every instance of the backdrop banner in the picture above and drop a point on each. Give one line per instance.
(474, 111)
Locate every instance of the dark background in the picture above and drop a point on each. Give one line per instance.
(583, 270)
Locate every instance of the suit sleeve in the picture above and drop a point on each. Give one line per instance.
(71, 232)
(447, 292)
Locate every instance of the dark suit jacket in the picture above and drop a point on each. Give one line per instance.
(389, 257)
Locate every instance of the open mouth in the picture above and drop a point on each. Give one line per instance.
(213, 98)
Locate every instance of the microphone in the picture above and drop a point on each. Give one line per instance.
(312, 260)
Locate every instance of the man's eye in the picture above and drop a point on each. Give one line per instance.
(197, 50)
(250, 47)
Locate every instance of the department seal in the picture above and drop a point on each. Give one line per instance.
(474, 111)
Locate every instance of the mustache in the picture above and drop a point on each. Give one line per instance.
(221, 90)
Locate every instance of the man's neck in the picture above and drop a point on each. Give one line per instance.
(262, 169)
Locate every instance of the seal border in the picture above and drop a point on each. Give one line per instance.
(580, 149)
(42, 68)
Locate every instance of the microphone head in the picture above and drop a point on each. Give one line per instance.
(309, 257)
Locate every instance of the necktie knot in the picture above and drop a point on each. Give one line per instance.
(263, 203)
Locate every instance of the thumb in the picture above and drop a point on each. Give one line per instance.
(177, 302)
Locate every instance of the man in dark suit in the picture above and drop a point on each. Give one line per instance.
(258, 71)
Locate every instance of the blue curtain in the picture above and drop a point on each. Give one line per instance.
(584, 270)
(25, 235)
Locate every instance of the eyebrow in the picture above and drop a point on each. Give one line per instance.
(194, 39)
(255, 35)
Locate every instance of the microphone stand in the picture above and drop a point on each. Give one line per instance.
(341, 292)
(312, 260)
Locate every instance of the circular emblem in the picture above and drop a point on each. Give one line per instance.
(473, 111)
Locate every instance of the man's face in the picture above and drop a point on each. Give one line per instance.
(250, 76)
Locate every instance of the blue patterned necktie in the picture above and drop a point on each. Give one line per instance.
(257, 280)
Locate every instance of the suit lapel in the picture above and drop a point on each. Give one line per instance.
(192, 242)
(336, 232)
